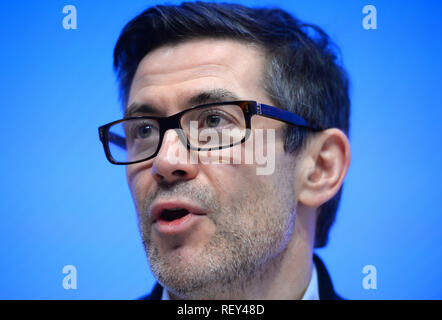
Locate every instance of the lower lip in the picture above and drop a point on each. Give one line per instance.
(176, 226)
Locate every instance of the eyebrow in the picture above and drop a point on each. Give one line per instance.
(211, 96)
(140, 108)
(203, 97)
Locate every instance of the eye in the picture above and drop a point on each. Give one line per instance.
(213, 121)
(144, 131)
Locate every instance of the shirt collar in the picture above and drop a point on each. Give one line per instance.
(312, 292)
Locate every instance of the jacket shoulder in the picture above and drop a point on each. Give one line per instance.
(155, 294)
(326, 290)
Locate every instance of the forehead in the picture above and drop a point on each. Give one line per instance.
(204, 64)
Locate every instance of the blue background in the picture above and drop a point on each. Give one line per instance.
(63, 204)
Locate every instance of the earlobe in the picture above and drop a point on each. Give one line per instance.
(327, 159)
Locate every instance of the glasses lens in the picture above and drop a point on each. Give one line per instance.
(214, 127)
(133, 140)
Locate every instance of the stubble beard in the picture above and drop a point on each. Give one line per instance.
(251, 237)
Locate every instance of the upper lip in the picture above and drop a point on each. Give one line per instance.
(159, 206)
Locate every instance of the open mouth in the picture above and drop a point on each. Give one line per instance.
(173, 214)
(176, 216)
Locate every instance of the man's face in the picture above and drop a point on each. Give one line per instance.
(236, 224)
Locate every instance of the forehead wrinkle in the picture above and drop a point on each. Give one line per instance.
(180, 87)
(162, 76)
(175, 58)
(178, 98)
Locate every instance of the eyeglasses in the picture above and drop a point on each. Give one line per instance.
(205, 127)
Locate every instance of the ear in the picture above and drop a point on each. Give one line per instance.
(323, 167)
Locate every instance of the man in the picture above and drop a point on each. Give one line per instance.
(221, 230)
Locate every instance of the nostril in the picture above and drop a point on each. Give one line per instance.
(180, 173)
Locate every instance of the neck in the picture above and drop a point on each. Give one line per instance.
(288, 276)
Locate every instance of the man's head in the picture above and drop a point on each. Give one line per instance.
(243, 226)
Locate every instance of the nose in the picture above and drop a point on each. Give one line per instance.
(172, 163)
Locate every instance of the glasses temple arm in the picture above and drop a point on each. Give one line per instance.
(117, 139)
(283, 115)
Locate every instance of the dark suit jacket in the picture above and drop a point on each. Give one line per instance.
(326, 291)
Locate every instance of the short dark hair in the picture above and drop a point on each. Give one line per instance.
(302, 73)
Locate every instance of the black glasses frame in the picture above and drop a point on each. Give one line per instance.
(249, 108)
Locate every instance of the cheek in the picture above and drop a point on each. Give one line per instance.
(228, 180)
(232, 181)
(139, 179)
